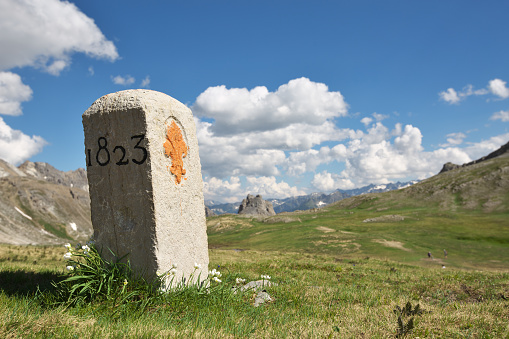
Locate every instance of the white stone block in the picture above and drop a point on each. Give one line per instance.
(145, 181)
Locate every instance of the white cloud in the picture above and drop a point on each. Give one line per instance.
(299, 163)
(239, 110)
(257, 148)
(501, 115)
(12, 93)
(450, 96)
(327, 182)
(254, 141)
(91, 71)
(223, 190)
(145, 82)
(484, 147)
(376, 158)
(16, 147)
(454, 139)
(498, 88)
(268, 187)
(379, 117)
(44, 34)
(366, 121)
(232, 190)
(495, 86)
(124, 81)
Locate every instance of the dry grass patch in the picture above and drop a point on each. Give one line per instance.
(225, 223)
(393, 244)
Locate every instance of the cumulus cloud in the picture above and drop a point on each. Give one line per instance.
(497, 87)
(454, 139)
(223, 190)
(240, 110)
(327, 182)
(366, 121)
(501, 115)
(44, 34)
(268, 187)
(231, 190)
(453, 97)
(450, 96)
(145, 82)
(256, 148)
(484, 147)
(12, 93)
(252, 129)
(16, 147)
(123, 80)
(299, 163)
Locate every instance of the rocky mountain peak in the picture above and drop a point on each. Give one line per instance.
(44, 171)
(256, 206)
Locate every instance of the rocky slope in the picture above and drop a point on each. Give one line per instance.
(41, 205)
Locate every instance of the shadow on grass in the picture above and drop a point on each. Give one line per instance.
(23, 283)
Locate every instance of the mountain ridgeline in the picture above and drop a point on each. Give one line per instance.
(306, 202)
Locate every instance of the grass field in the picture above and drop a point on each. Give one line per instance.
(473, 239)
(336, 276)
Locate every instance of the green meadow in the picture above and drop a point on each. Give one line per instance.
(472, 239)
(345, 271)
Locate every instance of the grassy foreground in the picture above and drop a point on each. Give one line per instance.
(317, 295)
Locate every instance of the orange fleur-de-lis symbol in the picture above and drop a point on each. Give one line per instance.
(176, 149)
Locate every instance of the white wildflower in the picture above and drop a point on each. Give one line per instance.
(216, 279)
(125, 282)
(215, 273)
(70, 268)
(173, 271)
(68, 246)
(174, 266)
(68, 256)
(85, 248)
(265, 277)
(197, 266)
(239, 281)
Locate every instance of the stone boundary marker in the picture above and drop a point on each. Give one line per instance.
(145, 181)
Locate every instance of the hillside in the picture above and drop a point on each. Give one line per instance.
(41, 205)
(464, 210)
(480, 185)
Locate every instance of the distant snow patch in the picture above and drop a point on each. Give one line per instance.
(320, 203)
(22, 213)
(73, 226)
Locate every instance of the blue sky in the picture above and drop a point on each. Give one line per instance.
(290, 97)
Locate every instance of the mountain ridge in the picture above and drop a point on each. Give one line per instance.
(309, 201)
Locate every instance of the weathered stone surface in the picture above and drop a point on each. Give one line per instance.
(145, 181)
(256, 206)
